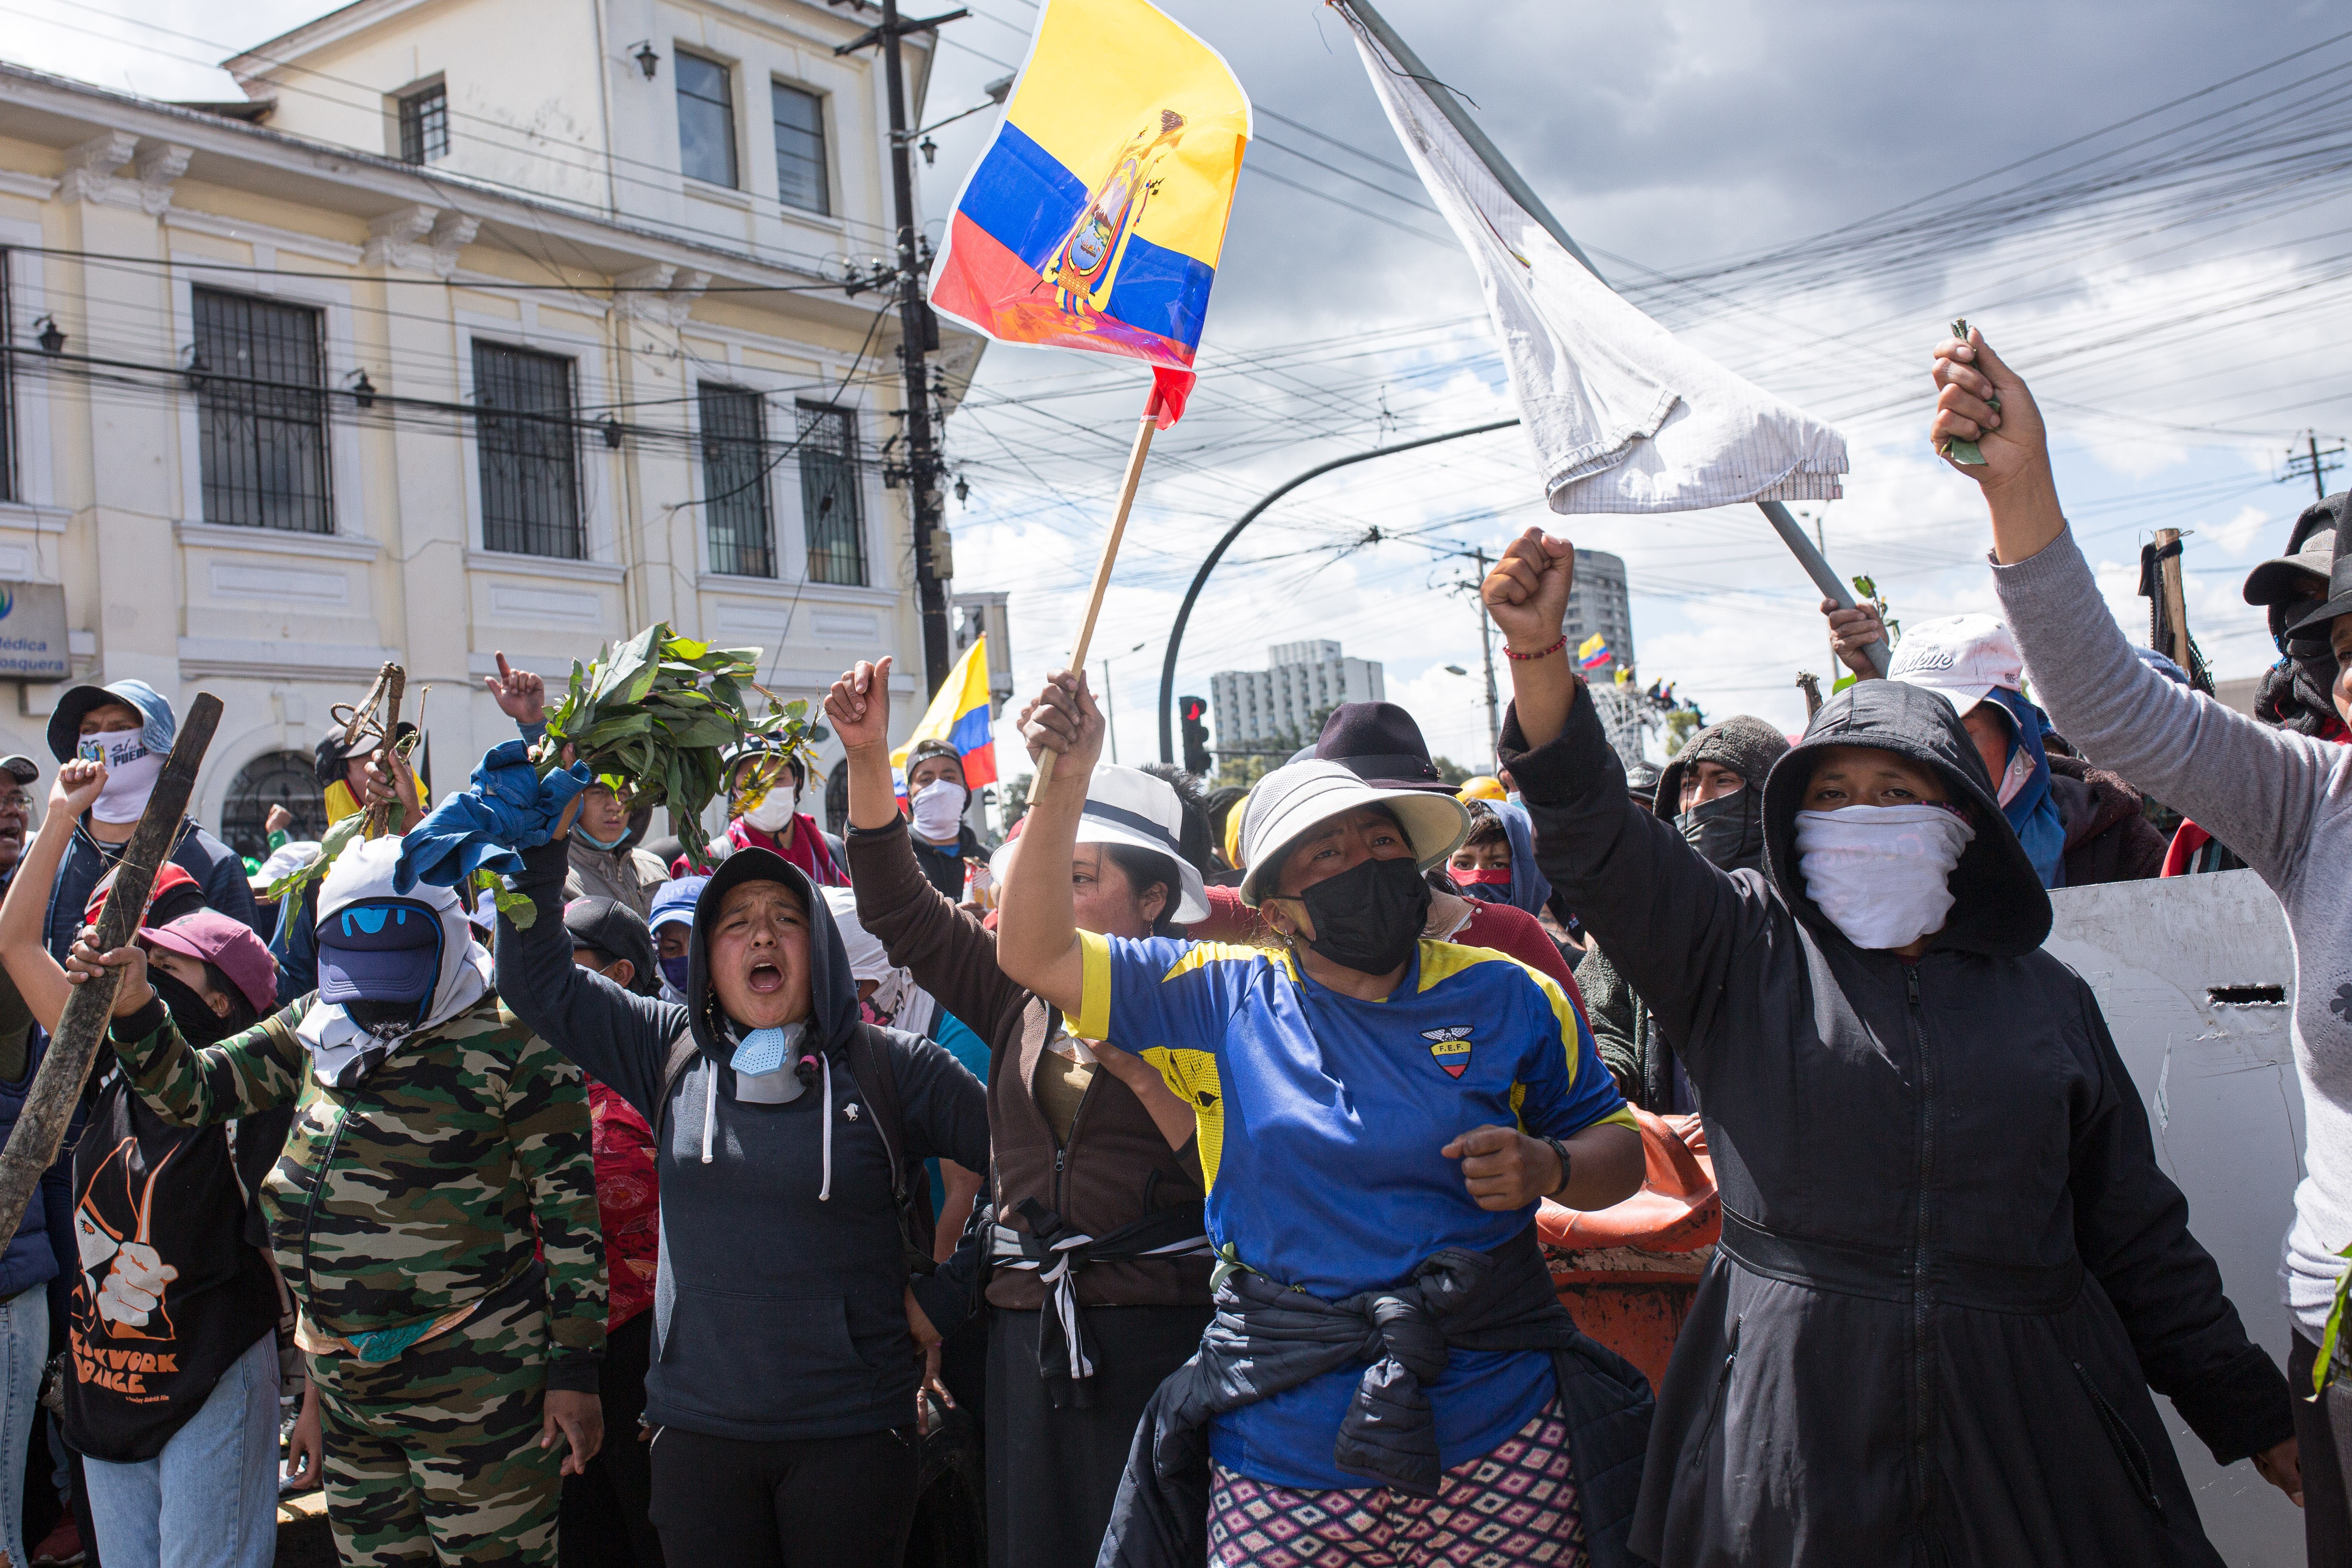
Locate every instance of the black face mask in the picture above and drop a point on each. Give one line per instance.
(1369, 917)
(1728, 830)
(199, 1024)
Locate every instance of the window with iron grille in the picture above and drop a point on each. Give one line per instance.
(7, 393)
(829, 495)
(261, 413)
(530, 453)
(735, 462)
(290, 779)
(425, 125)
(800, 147)
(706, 120)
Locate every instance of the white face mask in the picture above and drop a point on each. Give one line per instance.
(774, 809)
(936, 808)
(131, 773)
(1882, 873)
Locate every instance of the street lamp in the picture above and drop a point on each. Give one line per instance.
(1110, 725)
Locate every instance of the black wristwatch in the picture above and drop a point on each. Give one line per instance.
(1560, 1149)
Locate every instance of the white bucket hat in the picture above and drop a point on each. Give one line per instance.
(1293, 800)
(1127, 805)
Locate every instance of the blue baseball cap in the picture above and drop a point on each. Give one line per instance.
(157, 723)
(379, 951)
(674, 905)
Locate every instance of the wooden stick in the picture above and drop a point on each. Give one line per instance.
(2176, 602)
(40, 1127)
(1141, 450)
(395, 681)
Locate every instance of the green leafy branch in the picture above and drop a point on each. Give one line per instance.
(654, 718)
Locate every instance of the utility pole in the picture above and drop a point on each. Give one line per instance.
(2314, 463)
(1486, 649)
(917, 333)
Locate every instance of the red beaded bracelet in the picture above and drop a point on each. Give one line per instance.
(1509, 652)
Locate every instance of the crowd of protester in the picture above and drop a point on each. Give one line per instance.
(1158, 1186)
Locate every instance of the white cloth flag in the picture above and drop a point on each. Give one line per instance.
(1624, 419)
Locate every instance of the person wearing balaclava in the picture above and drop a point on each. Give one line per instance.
(434, 1214)
(1713, 792)
(1377, 1114)
(1951, 1270)
(128, 727)
(783, 1385)
(672, 930)
(944, 844)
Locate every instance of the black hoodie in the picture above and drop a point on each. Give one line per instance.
(778, 1314)
(1951, 1269)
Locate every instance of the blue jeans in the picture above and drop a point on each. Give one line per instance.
(24, 1351)
(210, 1498)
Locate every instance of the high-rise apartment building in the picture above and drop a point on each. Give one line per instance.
(1285, 702)
(1599, 602)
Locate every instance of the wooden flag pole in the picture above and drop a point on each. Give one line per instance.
(40, 1127)
(1141, 450)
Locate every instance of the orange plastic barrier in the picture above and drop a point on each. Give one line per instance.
(1628, 1273)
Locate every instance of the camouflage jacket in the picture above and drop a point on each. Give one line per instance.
(424, 1188)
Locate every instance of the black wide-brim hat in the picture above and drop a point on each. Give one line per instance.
(2339, 571)
(1381, 744)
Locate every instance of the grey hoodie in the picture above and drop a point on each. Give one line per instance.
(778, 1314)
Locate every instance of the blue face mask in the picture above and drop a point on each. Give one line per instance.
(580, 831)
(674, 969)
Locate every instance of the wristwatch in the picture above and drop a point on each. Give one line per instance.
(1560, 1149)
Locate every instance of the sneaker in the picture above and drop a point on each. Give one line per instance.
(61, 1548)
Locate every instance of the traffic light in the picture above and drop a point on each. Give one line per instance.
(1196, 713)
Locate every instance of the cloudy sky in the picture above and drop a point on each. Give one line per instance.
(2145, 206)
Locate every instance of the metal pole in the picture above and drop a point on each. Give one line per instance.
(1811, 559)
(2318, 482)
(1487, 649)
(914, 324)
(1111, 716)
(1200, 577)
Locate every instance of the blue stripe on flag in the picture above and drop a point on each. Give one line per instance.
(1022, 197)
(971, 731)
(1161, 290)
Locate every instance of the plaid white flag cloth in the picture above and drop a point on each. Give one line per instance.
(1624, 419)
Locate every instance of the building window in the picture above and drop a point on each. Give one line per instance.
(836, 523)
(706, 120)
(290, 779)
(800, 149)
(530, 457)
(261, 413)
(735, 463)
(7, 392)
(425, 125)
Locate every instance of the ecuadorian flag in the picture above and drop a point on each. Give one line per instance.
(1094, 218)
(959, 715)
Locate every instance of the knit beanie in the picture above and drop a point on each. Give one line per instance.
(1743, 743)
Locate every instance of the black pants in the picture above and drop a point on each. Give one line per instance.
(832, 1502)
(2323, 1431)
(607, 1513)
(1052, 1474)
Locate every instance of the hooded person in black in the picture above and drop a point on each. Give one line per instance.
(1713, 792)
(1951, 1269)
(782, 1390)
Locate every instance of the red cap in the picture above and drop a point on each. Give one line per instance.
(228, 945)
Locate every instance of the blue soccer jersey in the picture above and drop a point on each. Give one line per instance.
(1321, 1121)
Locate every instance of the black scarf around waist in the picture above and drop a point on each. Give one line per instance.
(1268, 1337)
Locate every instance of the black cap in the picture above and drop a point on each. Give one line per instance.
(615, 930)
(1380, 743)
(21, 768)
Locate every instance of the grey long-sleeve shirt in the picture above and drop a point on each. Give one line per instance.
(2281, 800)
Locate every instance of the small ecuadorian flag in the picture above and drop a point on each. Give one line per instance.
(961, 715)
(1592, 652)
(1094, 218)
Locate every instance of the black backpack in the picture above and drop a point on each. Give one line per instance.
(870, 1071)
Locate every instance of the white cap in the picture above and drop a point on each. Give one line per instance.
(1300, 796)
(1963, 656)
(867, 961)
(1127, 805)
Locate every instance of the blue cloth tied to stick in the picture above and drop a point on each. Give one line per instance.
(508, 808)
